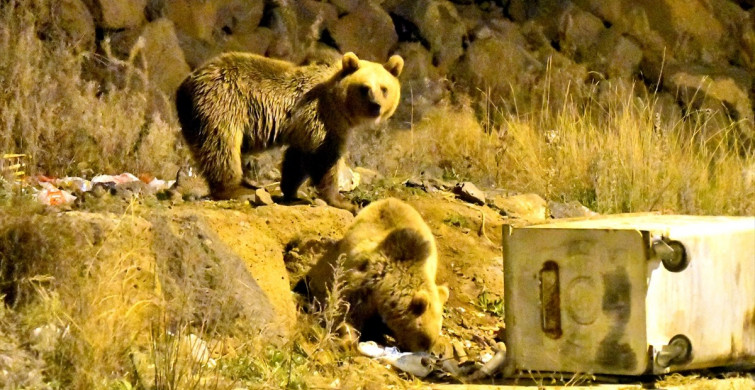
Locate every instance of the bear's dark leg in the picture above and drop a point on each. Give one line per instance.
(293, 173)
(323, 169)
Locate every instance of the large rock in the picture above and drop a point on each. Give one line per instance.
(617, 56)
(314, 17)
(116, 14)
(530, 207)
(284, 24)
(166, 65)
(702, 88)
(579, 32)
(195, 19)
(440, 25)
(368, 32)
(495, 64)
(238, 17)
(73, 17)
(256, 41)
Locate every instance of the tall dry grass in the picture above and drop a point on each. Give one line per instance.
(64, 123)
(618, 150)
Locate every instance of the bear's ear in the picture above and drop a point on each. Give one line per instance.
(350, 62)
(419, 303)
(394, 65)
(406, 244)
(443, 293)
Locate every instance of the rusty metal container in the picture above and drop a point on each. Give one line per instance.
(630, 295)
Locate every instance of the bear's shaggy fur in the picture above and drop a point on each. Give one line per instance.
(240, 103)
(388, 264)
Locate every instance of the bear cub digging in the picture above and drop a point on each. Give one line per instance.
(388, 261)
(240, 103)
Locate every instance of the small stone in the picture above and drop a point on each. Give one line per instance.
(262, 197)
(469, 192)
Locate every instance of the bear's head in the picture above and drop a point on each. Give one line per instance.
(411, 303)
(370, 91)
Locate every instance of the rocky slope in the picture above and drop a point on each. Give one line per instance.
(697, 54)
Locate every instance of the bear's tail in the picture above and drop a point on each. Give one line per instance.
(406, 244)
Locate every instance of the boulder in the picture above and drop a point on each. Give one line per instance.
(440, 25)
(579, 32)
(530, 207)
(571, 209)
(116, 14)
(256, 41)
(422, 85)
(194, 19)
(495, 64)
(166, 65)
(368, 32)
(689, 28)
(73, 17)
(469, 192)
(284, 24)
(345, 6)
(617, 56)
(237, 17)
(704, 88)
(314, 17)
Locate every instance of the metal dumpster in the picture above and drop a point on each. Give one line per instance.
(630, 295)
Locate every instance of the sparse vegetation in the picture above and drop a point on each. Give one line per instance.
(68, 125)
(615, 153)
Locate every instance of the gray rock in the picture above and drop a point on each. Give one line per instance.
(73, 17)
(440, 25)
(115, 14)
(165, 60)
(530, 207)
(262, 197)
(571, 209)
(469, 192)
(368, 32)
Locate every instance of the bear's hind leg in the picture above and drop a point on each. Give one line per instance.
(220, 162)
(293, 173)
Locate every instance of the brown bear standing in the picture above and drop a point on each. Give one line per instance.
(241, 103)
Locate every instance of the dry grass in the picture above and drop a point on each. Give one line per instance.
(66, 124)
(614, 152)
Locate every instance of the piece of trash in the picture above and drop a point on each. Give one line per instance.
(158, 185)
(348, 180)
(55, 197)
(74, 183)
(419, 364)
(118, 179)
(492, 366)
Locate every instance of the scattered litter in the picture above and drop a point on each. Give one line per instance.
(422, 364)
(418, 364)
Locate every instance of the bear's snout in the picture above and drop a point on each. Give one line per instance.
(374, 108)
